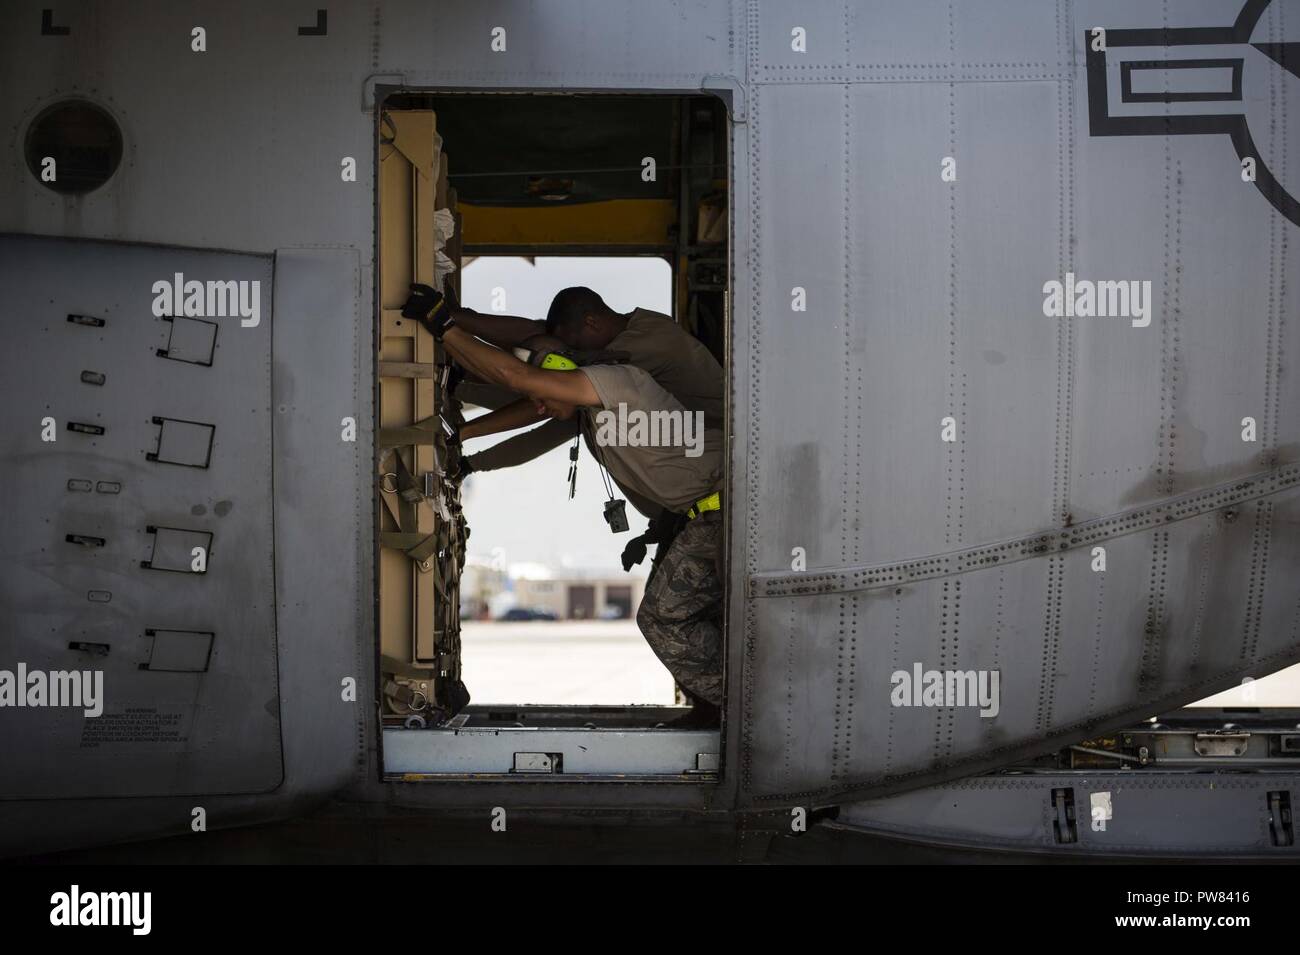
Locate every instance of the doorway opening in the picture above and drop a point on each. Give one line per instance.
(548, 614)
(506, 198)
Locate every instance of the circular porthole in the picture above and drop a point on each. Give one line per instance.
(84, 142)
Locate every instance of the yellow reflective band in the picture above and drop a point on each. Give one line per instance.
(557, 362)
(711, 503)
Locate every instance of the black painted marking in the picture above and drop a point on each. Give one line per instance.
(1126, 81)
(99, 649)
(47, 25)
(173, 549)
(179, 651)
(85, 540)
(77, 484)
(182, 446)
(191, 340)
(319, 29)
(90, 320)
(93, 377)
(1233, 125)
(82, 428)
(1285, 55)
(108, 487)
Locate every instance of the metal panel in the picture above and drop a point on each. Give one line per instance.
(1070, 433)
(322, 513)
(160, 732)
(185, 179)
(1150, 814)
(260, 75)
(575, 43)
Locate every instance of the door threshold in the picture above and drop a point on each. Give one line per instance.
(566, 753)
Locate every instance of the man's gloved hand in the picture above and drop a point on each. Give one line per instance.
(634, 552)
(463, 468)
(431, 308)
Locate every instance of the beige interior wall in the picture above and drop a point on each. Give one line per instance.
(414, 619)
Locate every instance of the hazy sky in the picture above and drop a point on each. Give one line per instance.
(526, 510)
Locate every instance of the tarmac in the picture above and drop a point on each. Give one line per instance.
(562, 662)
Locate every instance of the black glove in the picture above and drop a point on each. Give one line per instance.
(463, 467)
(634, 552)
(433, 309)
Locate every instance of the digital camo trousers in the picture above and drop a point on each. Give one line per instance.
(681, 613)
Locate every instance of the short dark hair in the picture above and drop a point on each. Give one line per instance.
(573, 304)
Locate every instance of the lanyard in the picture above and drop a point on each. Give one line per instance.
(615, 510)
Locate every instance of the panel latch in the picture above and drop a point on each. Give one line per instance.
(539, 763)
(1281, 822)
(1064, 825)
(1221, 744)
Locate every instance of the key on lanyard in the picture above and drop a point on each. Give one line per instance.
(573, 469)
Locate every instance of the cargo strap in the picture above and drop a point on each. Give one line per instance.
(399, 490)
(410, 369)
(408, 489)
(418, 547)
(425, 431)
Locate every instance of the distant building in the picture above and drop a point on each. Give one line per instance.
(598, 596)
(489, 590)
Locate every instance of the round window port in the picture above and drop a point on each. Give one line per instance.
(83, 141)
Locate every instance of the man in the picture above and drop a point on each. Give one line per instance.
(680, 614)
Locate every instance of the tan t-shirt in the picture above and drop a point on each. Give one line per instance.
(676, 359)
(642, 434)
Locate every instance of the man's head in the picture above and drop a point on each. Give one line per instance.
(581, 319)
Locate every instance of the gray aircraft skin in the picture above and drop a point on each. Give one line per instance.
(926, 463)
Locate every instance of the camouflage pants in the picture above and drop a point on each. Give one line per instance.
(681, 613)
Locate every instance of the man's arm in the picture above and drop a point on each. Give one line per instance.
(504, 369)
(517, 414)
(522, 448)
(505, 331)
